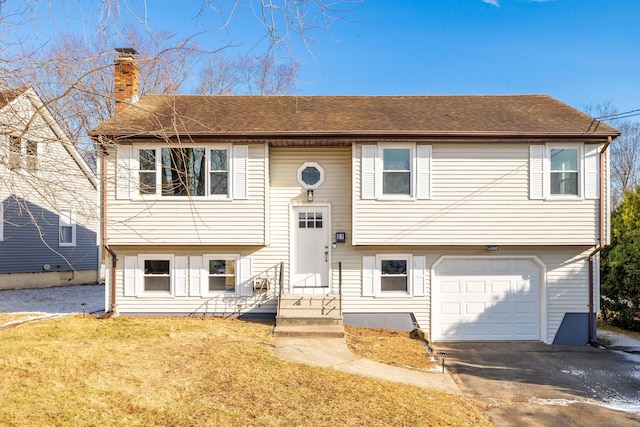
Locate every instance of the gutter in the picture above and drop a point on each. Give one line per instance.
(592, 338)
(112, 312)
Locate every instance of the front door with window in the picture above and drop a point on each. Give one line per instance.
(310, 248)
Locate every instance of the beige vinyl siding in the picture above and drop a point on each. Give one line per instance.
(480, 195)
(196, 220)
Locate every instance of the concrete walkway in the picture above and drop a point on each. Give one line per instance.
(333, 353)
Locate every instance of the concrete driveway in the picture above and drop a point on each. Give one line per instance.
(535, 384)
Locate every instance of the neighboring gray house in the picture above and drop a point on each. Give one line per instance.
(48, 199)
(476, 217)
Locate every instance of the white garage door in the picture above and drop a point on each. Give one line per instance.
(481, 299)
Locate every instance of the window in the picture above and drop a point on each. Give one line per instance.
(67, 227)
(15, 152)
(147, 173)
(310, 220)
(19, 149)
(394, 275)
(396, 171)
(564, 171)
(222, 275)
(219, 171)
(157, 275)
(183, 172)
(310, 175)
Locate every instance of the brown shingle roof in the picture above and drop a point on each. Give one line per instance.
(352, 116)
(8, 95)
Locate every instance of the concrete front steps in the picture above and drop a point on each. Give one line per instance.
(306, 316)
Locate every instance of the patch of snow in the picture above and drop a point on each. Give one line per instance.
(575, 372)
(53, 301)
(618, 405)
(618, 339)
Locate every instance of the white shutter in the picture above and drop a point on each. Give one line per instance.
(536, 172)
(195, 272)
(240, 179)
(419, 276)
(368, 166)
(123, 172)
(423, 163)
(246, 284)
(368, 275)
(591, 172)
(180, 276)
(129, 276)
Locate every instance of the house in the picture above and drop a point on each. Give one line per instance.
(48, 199)
(474, 217)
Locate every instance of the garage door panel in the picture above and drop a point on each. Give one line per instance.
(475, 287)
(487, 299)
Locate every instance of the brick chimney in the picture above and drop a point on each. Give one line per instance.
(126, 78)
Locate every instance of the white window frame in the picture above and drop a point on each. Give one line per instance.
(580, 171)
(135, 165)
(67, 213)
(378, 292)
(204, 285)
(380, 171)
(141, 276)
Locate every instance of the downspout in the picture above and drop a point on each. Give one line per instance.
(599, 246)
(112, 312)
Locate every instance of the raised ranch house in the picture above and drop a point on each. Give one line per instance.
(475, 217)
(48, 199)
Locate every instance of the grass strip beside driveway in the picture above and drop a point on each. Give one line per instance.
(187, 371)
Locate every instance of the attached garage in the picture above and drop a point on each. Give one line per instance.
(487, 299)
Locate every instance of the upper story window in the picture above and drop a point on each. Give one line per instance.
(23, 153)
(183, 172)
(564, 171)
(396, 171)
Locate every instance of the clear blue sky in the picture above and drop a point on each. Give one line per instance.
(579, 51)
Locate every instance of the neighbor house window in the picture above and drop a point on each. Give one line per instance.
(396, 171)
(157, 275)
(15, 152)
(394, 274)
(564, 171)
(20, 149)
(221, 273)
(183, 172)
(67, 227)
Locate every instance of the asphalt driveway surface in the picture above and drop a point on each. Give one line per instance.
(535, 384)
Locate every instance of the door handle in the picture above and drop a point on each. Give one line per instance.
(326, 254)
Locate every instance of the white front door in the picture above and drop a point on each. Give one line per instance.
(310, 247)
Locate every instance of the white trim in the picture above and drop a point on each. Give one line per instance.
(293, 219)
(533, 258)
(67, 218)
(140, 291)
(547, 170)
(237, 171)
(312, 165)
(377, 277)
(368, 178)
(424, 154)
(204, 279)
(380, 171)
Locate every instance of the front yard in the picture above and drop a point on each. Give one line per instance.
(192, 371)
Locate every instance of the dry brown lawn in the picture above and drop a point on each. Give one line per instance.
(139, 371)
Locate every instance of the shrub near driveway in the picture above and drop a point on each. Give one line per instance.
(189, 371)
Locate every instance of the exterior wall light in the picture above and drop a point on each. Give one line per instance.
(309, 195)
